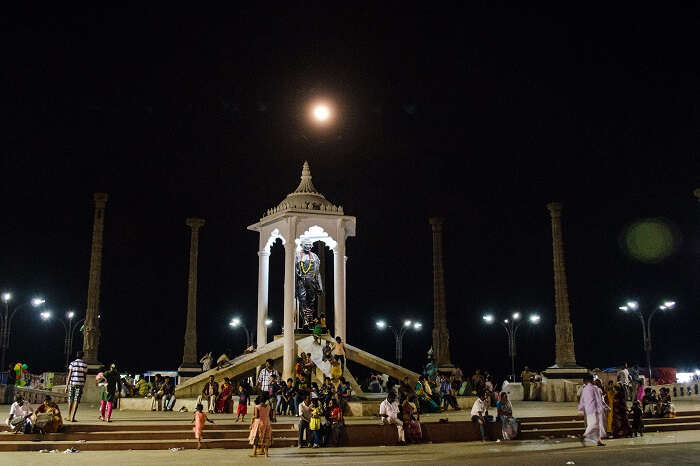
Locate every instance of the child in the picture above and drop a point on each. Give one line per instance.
(315, 422)
(317, 332)
(242, 404)
(260, 429)
(637, 421)
(198, 420)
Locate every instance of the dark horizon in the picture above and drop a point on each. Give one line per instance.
(480, 115)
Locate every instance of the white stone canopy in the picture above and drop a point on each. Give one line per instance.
(304, 214)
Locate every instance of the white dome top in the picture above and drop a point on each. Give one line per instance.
(306, 198)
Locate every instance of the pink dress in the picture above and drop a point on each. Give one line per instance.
(261, 429)
(199, 420)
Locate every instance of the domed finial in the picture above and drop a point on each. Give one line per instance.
(306, 186)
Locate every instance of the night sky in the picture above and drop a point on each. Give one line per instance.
(478, 114)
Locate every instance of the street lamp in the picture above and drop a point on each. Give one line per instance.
(398, 334)
(69, 328)
(236, 323)
(6, 323)
(511, 326)
(633, 306)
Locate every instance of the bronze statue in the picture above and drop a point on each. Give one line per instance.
(309, 286)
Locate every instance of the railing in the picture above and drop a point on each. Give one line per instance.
(680, 391)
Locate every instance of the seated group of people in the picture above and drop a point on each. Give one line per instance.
(219, 398)
(658, 406)
(46, 418)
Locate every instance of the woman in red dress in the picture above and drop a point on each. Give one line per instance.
(224, 401)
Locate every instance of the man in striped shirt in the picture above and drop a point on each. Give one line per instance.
(75, 382)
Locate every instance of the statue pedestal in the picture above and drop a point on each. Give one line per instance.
(187, 372)
(562, 383)
(515, 391)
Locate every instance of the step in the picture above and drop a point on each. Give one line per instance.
(141, 435)
(154, 426)
(530, 434)
(138, 444)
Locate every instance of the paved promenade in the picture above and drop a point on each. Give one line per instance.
(652, 449)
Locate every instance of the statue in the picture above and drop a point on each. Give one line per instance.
(307, 268)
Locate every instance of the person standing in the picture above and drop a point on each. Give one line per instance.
(389, 412)
(525, 376)
(305, 409)
(593, 408)
(75, 384)
(206, 362)
(265, 377)
(339, 353)
(111, 393)
(623, 377)
(261, 429)
(209, 393)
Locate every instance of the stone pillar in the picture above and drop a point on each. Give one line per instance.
(91, 328)
(321, 252)
(565, 356)
(263, 295)
(339, 259)
(441, 335)
(190, 363)
(288, 352)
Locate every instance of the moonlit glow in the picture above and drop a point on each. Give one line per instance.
(321, 112)
(6, 297)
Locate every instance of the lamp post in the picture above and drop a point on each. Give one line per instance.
(633, 306)
(398, 334)
(511, 326)
(236, 322)
(69, 328)
(6, 323)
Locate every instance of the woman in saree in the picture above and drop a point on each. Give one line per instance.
(610, 399)
(620, 424)
(427, 405)
(224, 401)
(47, 417)
(509, 425)
(411, 424)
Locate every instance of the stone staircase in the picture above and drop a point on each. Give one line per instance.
(152, 436)
(563, 426)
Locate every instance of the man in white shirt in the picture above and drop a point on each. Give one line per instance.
(20, 416)
(304, 418)
(480, 411)
(389, 412)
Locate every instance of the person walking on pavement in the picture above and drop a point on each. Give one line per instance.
(75, 384)
(592, 408)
